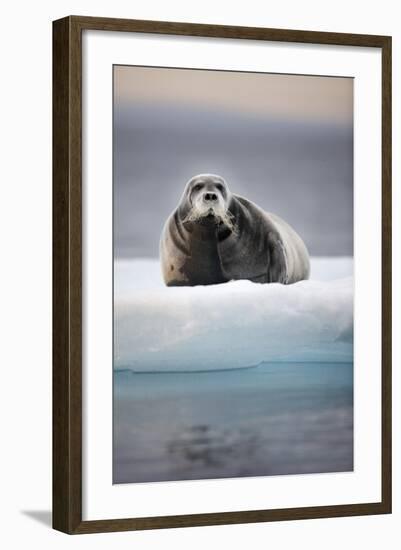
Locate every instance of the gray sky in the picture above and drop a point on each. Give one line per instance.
(283, 141)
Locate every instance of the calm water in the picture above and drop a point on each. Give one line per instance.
(277, 418)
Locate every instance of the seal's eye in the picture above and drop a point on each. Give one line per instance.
(197, 187)
(219, 187)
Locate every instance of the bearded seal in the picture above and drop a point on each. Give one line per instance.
(215, 236)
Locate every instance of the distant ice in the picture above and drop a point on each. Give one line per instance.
(233, 325)
(331, 268)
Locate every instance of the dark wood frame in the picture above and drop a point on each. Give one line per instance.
(67, 278)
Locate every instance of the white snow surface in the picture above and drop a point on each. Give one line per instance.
(232, 325)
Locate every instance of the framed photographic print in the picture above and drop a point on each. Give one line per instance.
(222, 274)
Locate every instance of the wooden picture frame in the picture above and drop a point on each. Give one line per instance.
(67, 274)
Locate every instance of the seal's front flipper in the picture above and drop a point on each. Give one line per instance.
(262, 279)
(277, 271)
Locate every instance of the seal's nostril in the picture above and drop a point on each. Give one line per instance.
(210, 197)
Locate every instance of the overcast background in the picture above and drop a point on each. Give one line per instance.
(283, 141)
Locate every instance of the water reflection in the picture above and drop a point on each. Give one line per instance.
(272, 420)
(208, 448)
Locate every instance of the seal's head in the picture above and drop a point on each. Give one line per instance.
(206, 200)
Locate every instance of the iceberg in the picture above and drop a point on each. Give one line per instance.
(233, 325)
